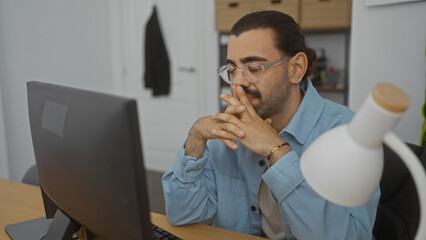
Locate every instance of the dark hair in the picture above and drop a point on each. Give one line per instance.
(288, 37)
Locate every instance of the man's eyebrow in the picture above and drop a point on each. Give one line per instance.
(253, 59)
(229, 61)
(248, 59)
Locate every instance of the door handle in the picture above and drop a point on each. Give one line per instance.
(187, 69)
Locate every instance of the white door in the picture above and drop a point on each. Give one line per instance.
(187, 27)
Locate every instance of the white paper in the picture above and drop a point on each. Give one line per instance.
(369, 3)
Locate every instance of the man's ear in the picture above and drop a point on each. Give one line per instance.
(297, 67)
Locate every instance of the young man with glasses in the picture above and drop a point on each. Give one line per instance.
(240, 169)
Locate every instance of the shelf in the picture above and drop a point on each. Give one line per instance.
(311, 15)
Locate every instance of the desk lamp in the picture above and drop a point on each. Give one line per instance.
(345, 164)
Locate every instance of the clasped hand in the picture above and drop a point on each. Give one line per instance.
(240, 122)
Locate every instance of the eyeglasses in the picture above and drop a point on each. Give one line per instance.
(252, 72)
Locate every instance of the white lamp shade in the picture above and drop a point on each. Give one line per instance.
(344, 165)
(341, 170)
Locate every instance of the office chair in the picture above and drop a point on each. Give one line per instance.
(398, 211)
(31, 176)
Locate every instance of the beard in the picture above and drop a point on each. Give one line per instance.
(273, 102)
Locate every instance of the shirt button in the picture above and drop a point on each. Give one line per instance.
(262, 163)
(253, 208)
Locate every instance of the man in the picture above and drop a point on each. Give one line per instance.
(241, 169)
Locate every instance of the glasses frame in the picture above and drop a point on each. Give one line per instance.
(262, 68)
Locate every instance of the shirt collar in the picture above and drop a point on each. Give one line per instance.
(307, 115)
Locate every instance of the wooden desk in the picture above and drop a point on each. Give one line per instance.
(20, 202)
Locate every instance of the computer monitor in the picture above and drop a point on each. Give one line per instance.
(88, 153)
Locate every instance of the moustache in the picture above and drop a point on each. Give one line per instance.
(253, 93)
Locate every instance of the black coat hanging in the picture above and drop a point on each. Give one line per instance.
(157, 65)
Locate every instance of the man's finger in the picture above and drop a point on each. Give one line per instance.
(230, 99)
(231, 128)
(228, 118)
(235, 109)
(234, 92)
(229, 143)
(219, 133)
(244, 99)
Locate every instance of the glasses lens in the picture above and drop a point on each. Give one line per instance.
(252, 72)
(225, 73)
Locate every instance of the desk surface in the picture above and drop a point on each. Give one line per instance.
(20, 202)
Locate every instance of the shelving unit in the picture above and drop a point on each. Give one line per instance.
(336, 44)
(325, 24)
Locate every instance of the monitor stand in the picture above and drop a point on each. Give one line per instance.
(31, 229)
(60, 227)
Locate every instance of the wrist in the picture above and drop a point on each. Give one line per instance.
(277, 152)
(194, 147)
(195, 140)
(195, 134)
(195, 144)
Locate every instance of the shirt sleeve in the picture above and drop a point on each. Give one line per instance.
(311, 216)
(189, 189)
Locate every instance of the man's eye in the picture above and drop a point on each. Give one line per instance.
(252, 69)
(231, 70)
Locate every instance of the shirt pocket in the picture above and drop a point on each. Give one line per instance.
(232, 205)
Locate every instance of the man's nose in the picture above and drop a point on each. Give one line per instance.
(240, 79)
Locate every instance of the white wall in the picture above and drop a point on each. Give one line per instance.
(388, 45)
(63, 42)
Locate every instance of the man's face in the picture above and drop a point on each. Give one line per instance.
(269, 95)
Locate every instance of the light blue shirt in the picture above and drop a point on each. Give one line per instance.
(223, 185)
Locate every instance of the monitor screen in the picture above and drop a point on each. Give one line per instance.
(88, 154)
